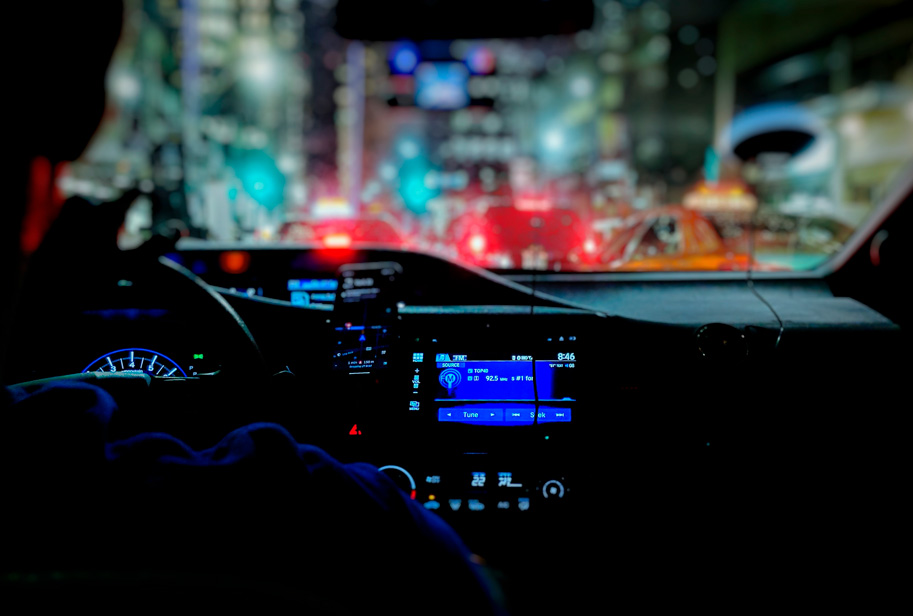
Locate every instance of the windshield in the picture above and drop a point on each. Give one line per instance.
(659, 136)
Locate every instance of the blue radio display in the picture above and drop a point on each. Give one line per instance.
(504, 392)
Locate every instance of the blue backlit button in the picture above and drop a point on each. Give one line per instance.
(455, 503)
(432, 505)
(450, 378)
(481, 415)
(503, 504)
(471, 414)
(475, 504)
(551, 414)
(523, 503)
(553, 489)
(519, 413)
(494, 415)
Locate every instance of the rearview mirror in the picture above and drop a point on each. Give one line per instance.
(373, 20)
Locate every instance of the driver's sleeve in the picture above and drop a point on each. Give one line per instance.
(52, 452)
(349, 533)
(256, 506)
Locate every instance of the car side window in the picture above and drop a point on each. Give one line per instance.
(662, 238)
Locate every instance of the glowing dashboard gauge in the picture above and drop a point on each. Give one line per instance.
(401, 477)
(135, 360)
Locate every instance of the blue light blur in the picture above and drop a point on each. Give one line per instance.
(442, 85)
(769, 118)
(403, 58)
(480, 60)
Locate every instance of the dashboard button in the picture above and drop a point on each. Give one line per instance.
(550, 414)
(472, 415)
(517, 415)
(553, 489)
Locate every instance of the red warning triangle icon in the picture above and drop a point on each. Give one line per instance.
(354, 431)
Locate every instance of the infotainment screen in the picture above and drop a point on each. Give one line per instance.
(364, 315)
(511, 390)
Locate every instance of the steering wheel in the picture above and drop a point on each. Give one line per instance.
(79, 267)
(196, 409)
(239, 349)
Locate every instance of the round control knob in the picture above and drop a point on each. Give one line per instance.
(401, 477)
(721, 343)
(553, 489)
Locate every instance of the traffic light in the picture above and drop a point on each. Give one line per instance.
(261, 178)
(414, 187)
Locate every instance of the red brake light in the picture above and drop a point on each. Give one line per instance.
(477, 243)
(337, 240)
(533, 204)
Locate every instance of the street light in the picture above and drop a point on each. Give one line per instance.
(554, 140)
(260, 69)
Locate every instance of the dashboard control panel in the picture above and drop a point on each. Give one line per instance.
(494, 413)
(488, 388)
(470, 487)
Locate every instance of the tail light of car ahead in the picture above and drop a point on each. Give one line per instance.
(337, 240)
(477, 244)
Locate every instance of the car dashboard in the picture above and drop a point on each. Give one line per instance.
(513, 413)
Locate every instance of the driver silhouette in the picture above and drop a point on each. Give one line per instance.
(146, 522)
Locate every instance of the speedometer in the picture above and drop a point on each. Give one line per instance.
(146, 361)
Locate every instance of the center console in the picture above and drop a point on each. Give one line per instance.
(491, 416)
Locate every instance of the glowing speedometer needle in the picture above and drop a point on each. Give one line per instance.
(125, 360)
